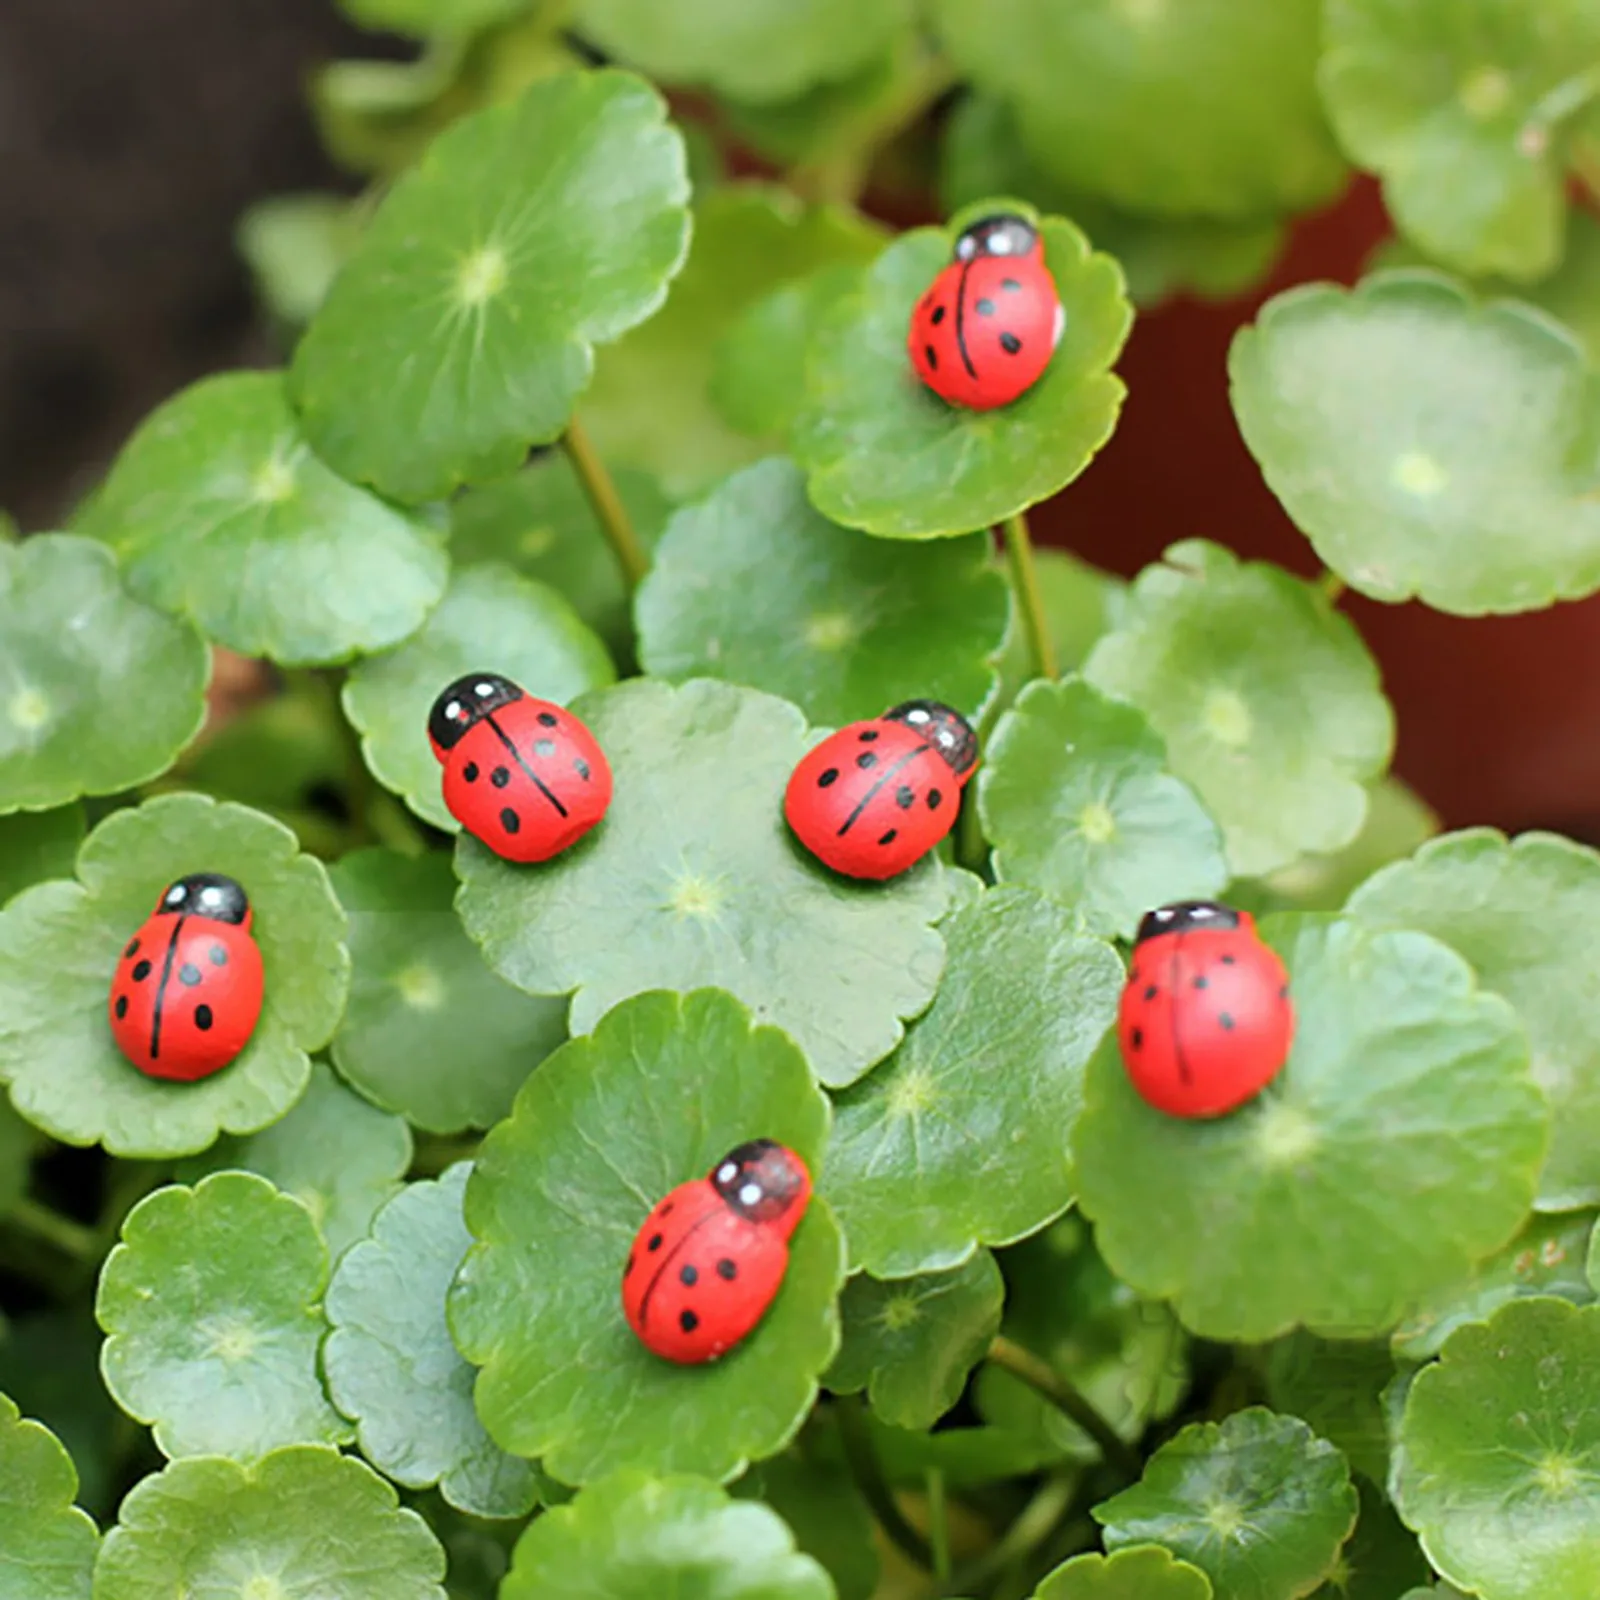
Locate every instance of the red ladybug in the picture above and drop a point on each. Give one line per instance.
(187, 993)
(985, 331)
(877, 796)
(522, 775)
(1205, 1021)
(711, 1257)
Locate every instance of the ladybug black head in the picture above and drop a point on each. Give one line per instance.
(760, 1180)
(946, 730)
(996, 236)
(205, 894)
(466, 703)
(1185, 916)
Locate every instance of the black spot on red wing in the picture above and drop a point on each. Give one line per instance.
(500, 777)
(688, 1277)
(866, 759)
(905, 797)
(188, 974)
(1133, 974)
(203, 1018)
(985, 306)
(548, 719)
(890, 836)
(931, 356)
(219, 955)
(122, 1006)
(581, 767)
(938, 316)
(132, 949)
(664, 1208)
(1202, 983)
(1010, 285)
(1283, 993)
(1137, 1038)
(654, 1244)
(1226, 1020)
(544, 747)
(867, 735)
(141, 971)
(629, 1268)
(935, 799)
(1228, 961)
(1151, 991)
(1010, 343)
(727, 1270)
(470, 772)
(831, 776)
(688, 1321)
(510, 821)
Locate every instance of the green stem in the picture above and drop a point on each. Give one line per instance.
(74, 1239)
(862, 1460)
(938, 1523)
(1025, 586)
(608, 507)
(1332, 587)
(1032, 1526)
(1044, 1380)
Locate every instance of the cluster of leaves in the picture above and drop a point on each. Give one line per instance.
(343, 1321)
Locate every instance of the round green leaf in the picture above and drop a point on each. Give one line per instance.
(826, 1514)
(47, 1545)
(59, 947)
(219, 511)
(1467, 110)
(211, 1307)
(1548, 1257)
(1520, 913)
(338, 1156)
(303, 1523)
(1140, 1572)
(392, 1368)
(35, 845)
(490, 618)
(430, 1031)
(1400, 1143)
(1495, 1469)
(633, 1537)
(694, 879)
(101, 692)
(656, 1095)
(1379, 417)
(961, 1138)
(1259, 1503)
(541, 523)
(1380, 1556)
(461, 330)
(757, 50)
(1267, 698)
(1208, 108)
(755, 586)
(652, 402)
(884, 454)
(294, 245)
(1336, 1386)
(1077, 801)
(911, 1343)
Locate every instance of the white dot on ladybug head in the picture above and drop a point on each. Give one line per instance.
(916, 716)
(727, 1172)
(999, 245)
(174, 896)
(750, 1194)
(453, 710)
(485, 689)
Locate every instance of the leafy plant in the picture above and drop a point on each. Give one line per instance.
(563, 401)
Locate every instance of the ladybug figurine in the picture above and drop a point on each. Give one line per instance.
(522, 775)
(985, 331)
(1205, 1021)
(711, 1257)
(187, 992)
(877, 796)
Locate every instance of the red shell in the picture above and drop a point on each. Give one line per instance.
(875, 797)
(1206, 1021)
(711, 1257)
(986, 329)
(524, 776)
(187, 992)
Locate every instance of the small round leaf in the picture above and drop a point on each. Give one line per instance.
(1336, 1386)
(461, 330)
(911, 1343)
(1379, 417)
(338, 1156)
(219, 511)
(303, 1523)
(694, 879)
(35, 845)
(430, 1031)
(1267, 698)
(656, 1095)
(633, 1537)
(1522, 914)
(1399, 1144)
(884, 454)
(490, 618)
(1139, 1572)
(1259, 1503)
(59, 947)
(392, 1368)
(211, 1307)
(755, 586)
(1077, 801)
(825, 1512)
(47, 1545)
(1466, 109)
(960, 1139)
(1496, 1450)
(100, 691)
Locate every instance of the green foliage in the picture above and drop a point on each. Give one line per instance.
(1138, 1572)
(47, 1545)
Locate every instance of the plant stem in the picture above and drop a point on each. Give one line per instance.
(1041, 1377)
(608, 507)
(862, 1460)
(1032, 1527)
(1025, 586)
(938, 1523)
(74, 1239)
(1332, 587)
